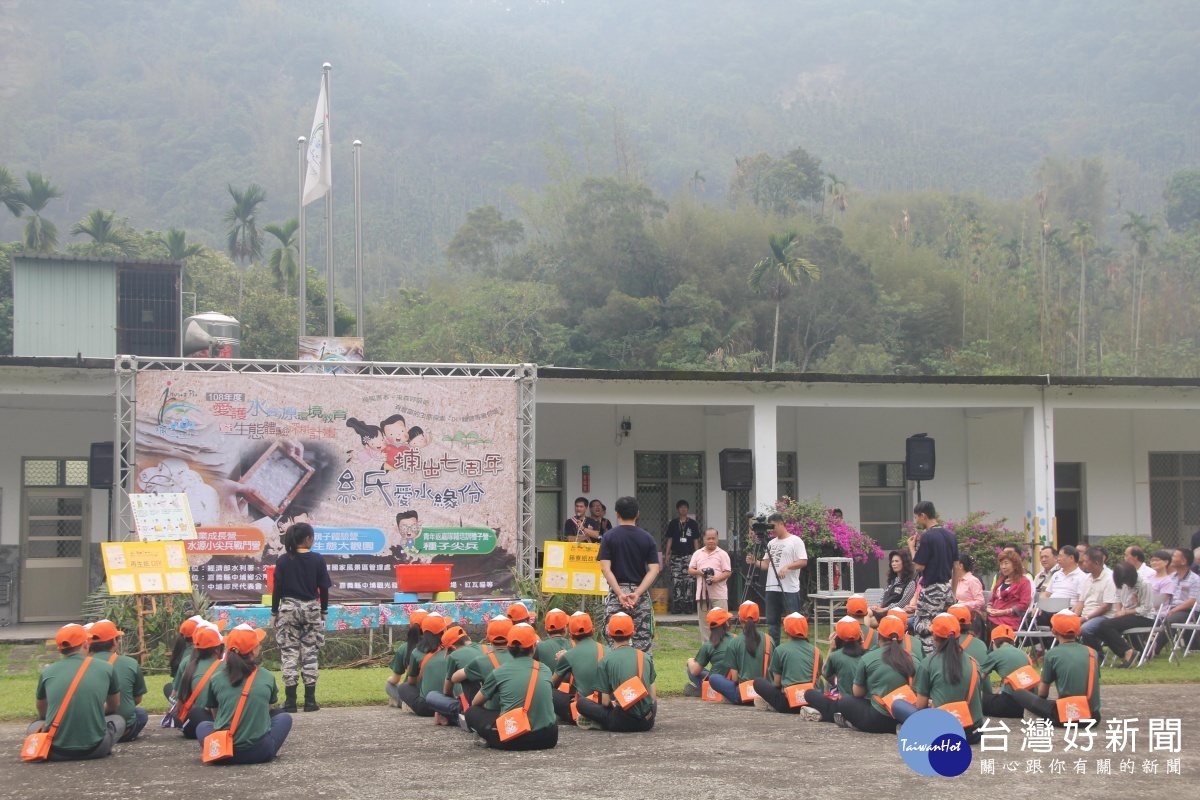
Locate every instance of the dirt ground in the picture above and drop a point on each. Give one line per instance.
(698, 750)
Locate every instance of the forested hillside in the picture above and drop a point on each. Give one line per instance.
(924, 186)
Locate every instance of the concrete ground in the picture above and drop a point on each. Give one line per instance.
(698, 750)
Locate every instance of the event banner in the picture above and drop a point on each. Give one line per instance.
(388, 470)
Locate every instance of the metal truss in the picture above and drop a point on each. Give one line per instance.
(124, 444)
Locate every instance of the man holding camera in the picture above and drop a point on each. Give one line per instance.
(786, 556)
(711, 567)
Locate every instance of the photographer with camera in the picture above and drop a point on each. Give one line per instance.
(786, 556)
(711, 567)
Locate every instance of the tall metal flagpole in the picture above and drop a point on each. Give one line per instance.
(358, 258)
(303, 288)
(327, 152)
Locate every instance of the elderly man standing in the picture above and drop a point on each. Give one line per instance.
(711, 567)
(629, 560)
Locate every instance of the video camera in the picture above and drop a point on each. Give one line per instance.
(759, 525)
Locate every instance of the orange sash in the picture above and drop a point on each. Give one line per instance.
(37, 745)
(514, 723)
(218, 745)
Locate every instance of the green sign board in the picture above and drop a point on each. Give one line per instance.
(456, 541)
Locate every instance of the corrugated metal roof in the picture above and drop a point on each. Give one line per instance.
(131, 262)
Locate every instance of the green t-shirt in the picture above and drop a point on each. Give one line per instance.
(582, 663)
(870, 636)
(187, 656)
(719, 659)
(201, 667)
(877, 677)
(255, 722)
(131, 681)
(548, 649)
(1066, 668)
(792, 661)
(479, 669)
(977, 650)
(505, 689)
(915, 649)
(840, 667)
(83, 724)
(1004, 661)
(751, 667)
(400, 660)
(433, 676)
(459, 659)
(619, 665)
(931, 683)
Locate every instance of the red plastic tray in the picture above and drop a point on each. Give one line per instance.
(423, 577)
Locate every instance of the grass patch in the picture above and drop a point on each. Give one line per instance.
(673, 646)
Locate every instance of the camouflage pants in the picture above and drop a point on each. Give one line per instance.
(643, 618)
(683, 586)
(933, 600)
(300, 632)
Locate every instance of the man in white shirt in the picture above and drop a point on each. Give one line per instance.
(1067, 583)
(711, 568)
(1098, 594)
(1136, 556)
(786, 556)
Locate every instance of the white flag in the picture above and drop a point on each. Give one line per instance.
(319, 177)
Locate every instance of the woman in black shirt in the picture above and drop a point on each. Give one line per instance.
(298, 608)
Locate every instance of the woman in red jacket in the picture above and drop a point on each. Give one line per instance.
(1012, 594)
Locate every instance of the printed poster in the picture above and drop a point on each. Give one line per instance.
(146, 567)
(388, 470)
(572, 568)
(162, 517)
(338, 354)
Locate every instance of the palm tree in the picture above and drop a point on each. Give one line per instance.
(245, 242)
(10, 193)
(778, 272)
(837, 194)
(104, 230)
(175, 241)
(41, 235)
(1140, 231)
(283, 259)
(1081, 237)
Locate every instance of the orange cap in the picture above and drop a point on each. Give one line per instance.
(795, 625)
(556, 620)
(960, 613)
(221, 624)
(452, 636)
(517, 612)
(1065, 623)
(497, 630)
(244, 638)
(70, 636)
(206, 636)
(748, 610)
(620, 625)
(848, 629)
(717, 617)
(891, 627)
(523, 634)
(899, 613)
(1004, 632)
(580, 624)
(417, 617)
(434, 623)
(104, 631)
(945, 626)
(188, 626)
(856, 606)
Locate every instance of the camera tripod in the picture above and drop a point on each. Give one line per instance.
(753, 586)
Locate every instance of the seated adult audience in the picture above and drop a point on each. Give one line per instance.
(1067, 583)
(969, 589)
(901, 585)
(1097, 594)
(1183, 588)
(1012, 595)
(1136, 557)
(1134, 609)
(1048, 563)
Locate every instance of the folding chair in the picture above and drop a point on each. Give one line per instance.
(1187, 628)
(1162, 603)
(1032, 633)
(873, 596)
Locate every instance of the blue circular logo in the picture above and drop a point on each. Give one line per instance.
(932, 743)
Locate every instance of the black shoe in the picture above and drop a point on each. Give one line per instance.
(289, 699)
(839, 720)
(310, 697)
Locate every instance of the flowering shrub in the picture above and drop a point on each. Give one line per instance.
(981, 539)
(824, 534)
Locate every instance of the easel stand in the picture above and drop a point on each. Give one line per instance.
(146, 604)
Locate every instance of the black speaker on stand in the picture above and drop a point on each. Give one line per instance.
(737, 470)
(920, 460)
(100, 466)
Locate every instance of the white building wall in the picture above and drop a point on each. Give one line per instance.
(1103, 441)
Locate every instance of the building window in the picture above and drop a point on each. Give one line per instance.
(883, 509)
(1174, 497)
(786, 474)
(548, 511)
(42, 472)
(663, 479)
(1069, 508)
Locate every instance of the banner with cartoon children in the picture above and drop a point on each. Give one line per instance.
(388, 470)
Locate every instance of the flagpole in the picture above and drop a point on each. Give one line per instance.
(303, 287)
(331, 284)
(358, 259)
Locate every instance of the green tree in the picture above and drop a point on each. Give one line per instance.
(777, 273)
(41, 235)
(1081, 237)
(779, 186)
(1183, 199)
(481, 240)
(1140, 231)
(174, 241)
(10, 193)
(108, 234)
(244, 241)
(284, 259)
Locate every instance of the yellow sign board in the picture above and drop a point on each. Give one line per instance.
(572, 568)
(146, 568)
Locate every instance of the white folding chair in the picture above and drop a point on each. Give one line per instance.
(1031, 632)
(873, 597)
(1187, 628)
(1148, 636)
